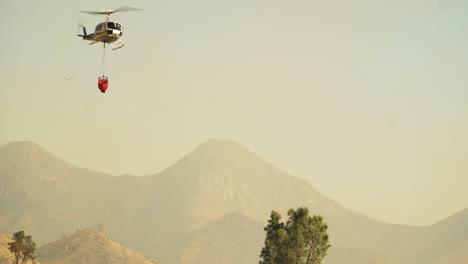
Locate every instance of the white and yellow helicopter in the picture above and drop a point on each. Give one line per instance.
(108, 31)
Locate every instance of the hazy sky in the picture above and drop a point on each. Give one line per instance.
(367, 99)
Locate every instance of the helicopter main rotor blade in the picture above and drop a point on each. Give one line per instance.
(97, 12)
(108, 12)
(126, 9)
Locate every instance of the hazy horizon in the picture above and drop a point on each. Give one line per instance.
(367, 100)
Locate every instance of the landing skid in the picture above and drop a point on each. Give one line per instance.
(117, 45)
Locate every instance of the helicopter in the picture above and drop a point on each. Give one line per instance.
(109, 32)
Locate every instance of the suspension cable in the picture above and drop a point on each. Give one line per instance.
(103, 64)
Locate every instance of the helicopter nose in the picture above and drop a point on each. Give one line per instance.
(115, 33)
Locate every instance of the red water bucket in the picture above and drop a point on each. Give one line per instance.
(103, 83)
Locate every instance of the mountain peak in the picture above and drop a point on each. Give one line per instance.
(216, 144)
(222, 150)
(89, 246)
(23, 161)
(26, 151)
(88, 233)
(25, 145)
(217, 155)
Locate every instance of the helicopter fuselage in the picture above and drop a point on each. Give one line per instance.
(106, 32)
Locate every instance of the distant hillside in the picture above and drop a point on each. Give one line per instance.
(6, 257)
(443, 242)
(46, 196)
(209, 207)
(357, 255)
(89, 246)
(236, 232)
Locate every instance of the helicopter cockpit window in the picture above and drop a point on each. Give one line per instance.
(113, 25)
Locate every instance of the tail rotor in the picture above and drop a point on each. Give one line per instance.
(80, 27)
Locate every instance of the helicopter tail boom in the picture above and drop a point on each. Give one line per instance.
(85, 35)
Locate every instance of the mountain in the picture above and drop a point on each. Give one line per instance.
(357, 255)
(443, 242)
(89, 246)
(44, 195)
(206, 208)
(236, 232)
(221, 178)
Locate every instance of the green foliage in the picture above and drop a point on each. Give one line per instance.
(303, 239)
(22, 247)
(275, 238)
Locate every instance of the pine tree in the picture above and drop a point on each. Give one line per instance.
(302, 240)
(22, 247)
(317, 240)
(274, 239)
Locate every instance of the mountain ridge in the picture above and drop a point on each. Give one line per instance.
(217, 179)
(88, 246)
